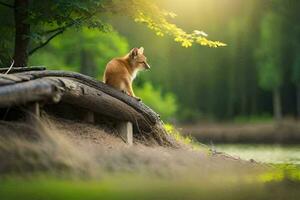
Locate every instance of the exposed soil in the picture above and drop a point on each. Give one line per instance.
(59, 146)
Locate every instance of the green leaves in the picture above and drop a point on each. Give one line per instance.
(161, 26)
(165, 104)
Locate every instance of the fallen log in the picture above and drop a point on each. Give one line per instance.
(27, 92)
(21, 69)
(87, 97)
(147, 112)
(83, 92)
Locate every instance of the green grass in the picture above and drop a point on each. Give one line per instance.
(263, 152)
(186, 140)
(130, 186)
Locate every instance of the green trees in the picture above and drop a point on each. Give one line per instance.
(239, 80)
(164, 104)
(270, 61)
(296, 77)
(85, 50)
(258, 68)
(37, 22)
(88, 51)
(292, 17)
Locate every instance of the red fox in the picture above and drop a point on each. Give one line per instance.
(120, 72)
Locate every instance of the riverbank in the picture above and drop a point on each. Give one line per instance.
(287, 132)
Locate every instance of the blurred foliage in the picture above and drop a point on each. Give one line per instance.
(263, 50)
(282, 172)
(189, 116)
(253, 119)
(220, 84)
(296, 67)
(270, 51)
(275, 185)
(85, 51)
(164, 104)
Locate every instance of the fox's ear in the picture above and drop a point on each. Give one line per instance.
(133, 53)
(141, 50)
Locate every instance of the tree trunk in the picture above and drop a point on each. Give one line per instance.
(243, 102)
(298, 101)
(277, 111)
(21, 33)
(87, 65)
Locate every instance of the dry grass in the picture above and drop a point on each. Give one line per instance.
(61, 159)
(64, 147)
(33, 148)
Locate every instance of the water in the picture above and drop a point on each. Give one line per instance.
(263, 153)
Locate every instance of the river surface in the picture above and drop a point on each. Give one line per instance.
(263, 153)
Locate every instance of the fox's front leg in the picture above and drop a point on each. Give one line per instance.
(129, 89)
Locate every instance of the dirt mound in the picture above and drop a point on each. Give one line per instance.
(66, 147)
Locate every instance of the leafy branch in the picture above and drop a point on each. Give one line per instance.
(56, 31)
(46, 42)
(161, 27)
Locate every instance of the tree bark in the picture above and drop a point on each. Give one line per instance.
(138, 105)
(22, 31)
(277, 110)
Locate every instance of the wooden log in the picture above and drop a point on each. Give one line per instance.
(21, 69)
(81, 95)
(10, 77)
(33, 111)
(84, 92)
(6, 82)
(151, 116)
(125, 130)
(55, 89)
(31, 91)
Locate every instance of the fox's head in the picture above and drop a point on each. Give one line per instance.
(137, 59)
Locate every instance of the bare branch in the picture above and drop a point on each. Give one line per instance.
(46, 42)
(58, 31)
(7, 5)
(12, 64)
(55, 30)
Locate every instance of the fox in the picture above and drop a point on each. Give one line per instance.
(120, 72)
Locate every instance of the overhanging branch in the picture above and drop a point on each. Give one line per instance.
(46, 42)
(58, 31)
